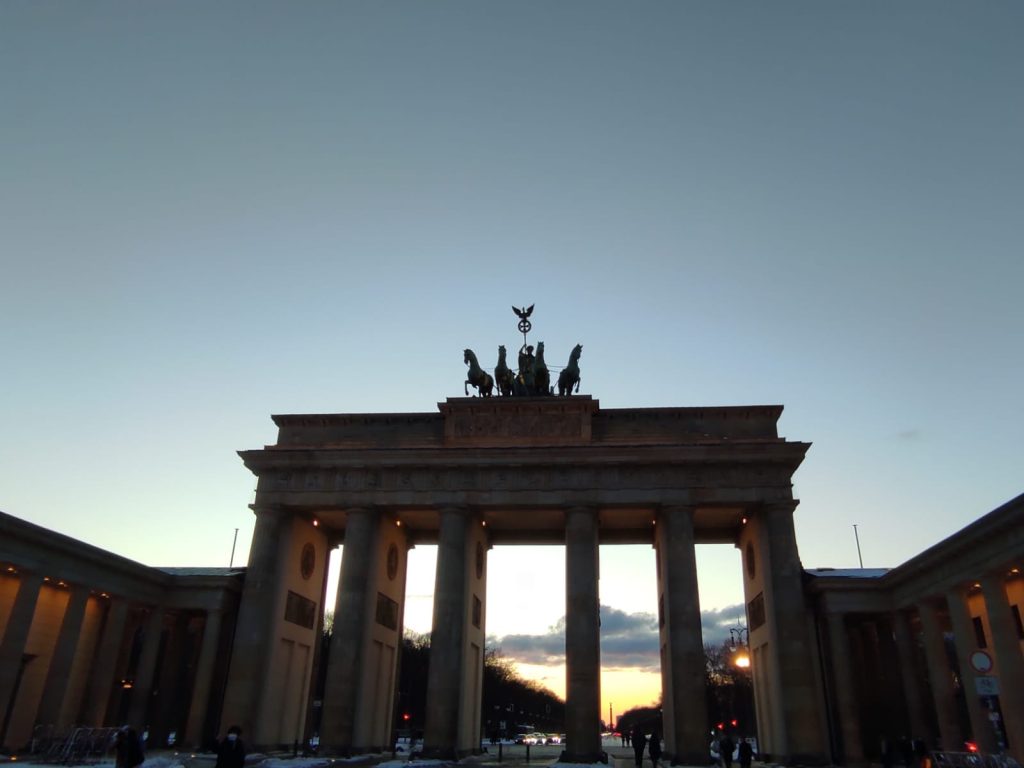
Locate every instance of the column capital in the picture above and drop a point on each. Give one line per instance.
(992, 582)
(581, 509)
(779, 507)
(455, 509)
(957, 592)
(265, 509)
(676, 509)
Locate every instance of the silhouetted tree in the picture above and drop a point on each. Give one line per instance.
(510, 702)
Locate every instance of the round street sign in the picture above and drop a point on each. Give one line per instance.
(981, 662)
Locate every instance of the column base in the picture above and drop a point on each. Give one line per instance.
(689, 758)
(445, 753)
(588, 759)
(799, 758)
(372, 754)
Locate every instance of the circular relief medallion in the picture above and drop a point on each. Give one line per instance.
(307, 562)
(479, 560)
(751, 567)
(392, 562)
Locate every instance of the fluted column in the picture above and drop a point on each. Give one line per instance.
(13, 644)
(444, 677)
(941, 678)
(1009, 662)
(683, 683)
(63, 657)
(582, 638)
(911, 687)
(142, 687)
(351, 614)
(963, 635)
(846, 697)
(197, 709)
(101, 677)
(251, 654)
(800, 700)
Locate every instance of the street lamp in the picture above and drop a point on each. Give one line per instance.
(739, 637)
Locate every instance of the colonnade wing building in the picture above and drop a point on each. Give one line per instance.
(840, 659)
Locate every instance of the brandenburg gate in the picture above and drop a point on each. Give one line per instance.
(484, 472)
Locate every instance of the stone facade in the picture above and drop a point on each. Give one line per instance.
(88, 638)
(839, 659)
(899, 644)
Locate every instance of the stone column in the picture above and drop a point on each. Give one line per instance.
(908, 668)
(846, 695)
(941, 678)
(963, 635)
(444, 677)
(351, 614)
(1009, 663)
(101, 679)
(197, 709)
(63, 657)
(142, 686)
(804, 738)
(12, 647)
(250, 656)
(582, 638)
(684, 701)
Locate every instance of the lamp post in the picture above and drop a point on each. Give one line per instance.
(739, 638)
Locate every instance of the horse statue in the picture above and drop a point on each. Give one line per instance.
(541, 377)
(477, 376)
(503, 374)
(570, 375)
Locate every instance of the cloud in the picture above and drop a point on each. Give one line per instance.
(628, 640)
(909, 434)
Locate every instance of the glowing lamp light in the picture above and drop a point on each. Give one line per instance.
(406, 716)
(316, 523)
(742, 660)
(734, 723)
(971, 746)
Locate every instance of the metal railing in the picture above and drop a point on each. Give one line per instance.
(972, 760)
(75, 746)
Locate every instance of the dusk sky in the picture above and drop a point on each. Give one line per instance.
(215, 212)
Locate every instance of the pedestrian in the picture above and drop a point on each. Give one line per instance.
(906, 751)
(725, 749)
(746, 753)
(888, 754)
(231, 749)
(654, 748)
(639, 742)
(127, 748)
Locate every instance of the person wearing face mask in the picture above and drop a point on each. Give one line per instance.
(231, 750)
